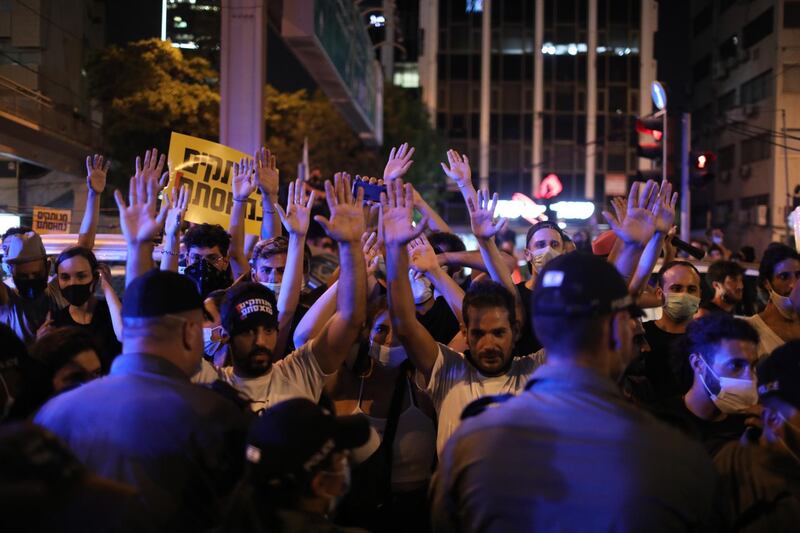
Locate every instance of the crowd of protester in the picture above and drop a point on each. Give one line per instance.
(242, 383)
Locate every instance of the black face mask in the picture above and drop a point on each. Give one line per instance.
(30, 288)
(77, 295)
(208, 278)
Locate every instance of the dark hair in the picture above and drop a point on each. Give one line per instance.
(508, 235)
(719, 270)
(78, 251)
(544, 224)
(714, 248)
(266, 248)
(706, 332)
(443, 241)
(748, 254)
(59, 346)
(774, 254)
(207, 236)
(18, 230)
(488, 293)
(672, 264)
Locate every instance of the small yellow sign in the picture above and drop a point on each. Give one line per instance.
(207, 169)
(49, 220)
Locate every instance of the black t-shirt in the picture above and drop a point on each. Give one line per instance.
(712, 435)
(527, 343)
(711, 307)
(662, 363)
(101, 328)
(440, 321)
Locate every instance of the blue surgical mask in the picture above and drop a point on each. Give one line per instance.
(274, 287)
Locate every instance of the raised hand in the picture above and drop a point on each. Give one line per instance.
(458, 170)
(104, 273)
(397, 211)
(138, 219)
(399, 163)
(664, 209)
(371, 248)
(346, 224)
(178, 203)
(481, 217)
(638, 224)
(152, 167)
(96, 172)
(244, 179)
(421, 255)
(297, 216)
(266, 172)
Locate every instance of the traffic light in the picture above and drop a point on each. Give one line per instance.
(701, 165)
(652, 144)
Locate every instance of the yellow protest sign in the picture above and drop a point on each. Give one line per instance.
(49, 220)
(206, 168)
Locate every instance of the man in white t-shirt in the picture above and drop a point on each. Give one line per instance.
(452, 380)
(249, 315)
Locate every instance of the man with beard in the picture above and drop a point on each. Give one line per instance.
(451, 379)
(726, 279)
(570, 453)
(249, 315)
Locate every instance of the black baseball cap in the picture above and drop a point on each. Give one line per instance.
(247, 305)
(581, 285)
(158, 293)
(779, 374)
(293, 437)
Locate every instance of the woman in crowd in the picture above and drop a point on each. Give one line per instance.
(70, 358)
(79, 275)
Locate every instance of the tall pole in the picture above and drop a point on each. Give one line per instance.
(591, 102)
(486, 97)
(243, 59)
(387, 48)
(686, 200)
(786, 174)
(538, 96)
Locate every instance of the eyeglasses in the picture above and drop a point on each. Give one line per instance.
(214, 259)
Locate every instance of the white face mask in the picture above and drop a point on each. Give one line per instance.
(783, 304)
(735, 395)
(391, 356)
(274, 287)
(420, 288)
(542, 256)
(717, 240)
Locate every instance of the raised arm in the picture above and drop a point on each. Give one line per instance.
(178, 202)
(397, 207)
(474, 260)
(460, 172)
(96, 172)
(268, 184)
(114, 305)
(636, 229)
(664, 212)
(139, 219)
(423, 260)
(346, 226)
(435, 222)
(295, 219)
(244, 184)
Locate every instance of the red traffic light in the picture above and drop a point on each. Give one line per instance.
(650, 126)
(703, 160)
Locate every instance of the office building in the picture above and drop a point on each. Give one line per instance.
(745, 70)
(450, 73)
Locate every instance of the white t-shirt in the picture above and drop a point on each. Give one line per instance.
(455, 383)
(297, 375)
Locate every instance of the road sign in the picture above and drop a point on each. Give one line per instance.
(658, 94)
